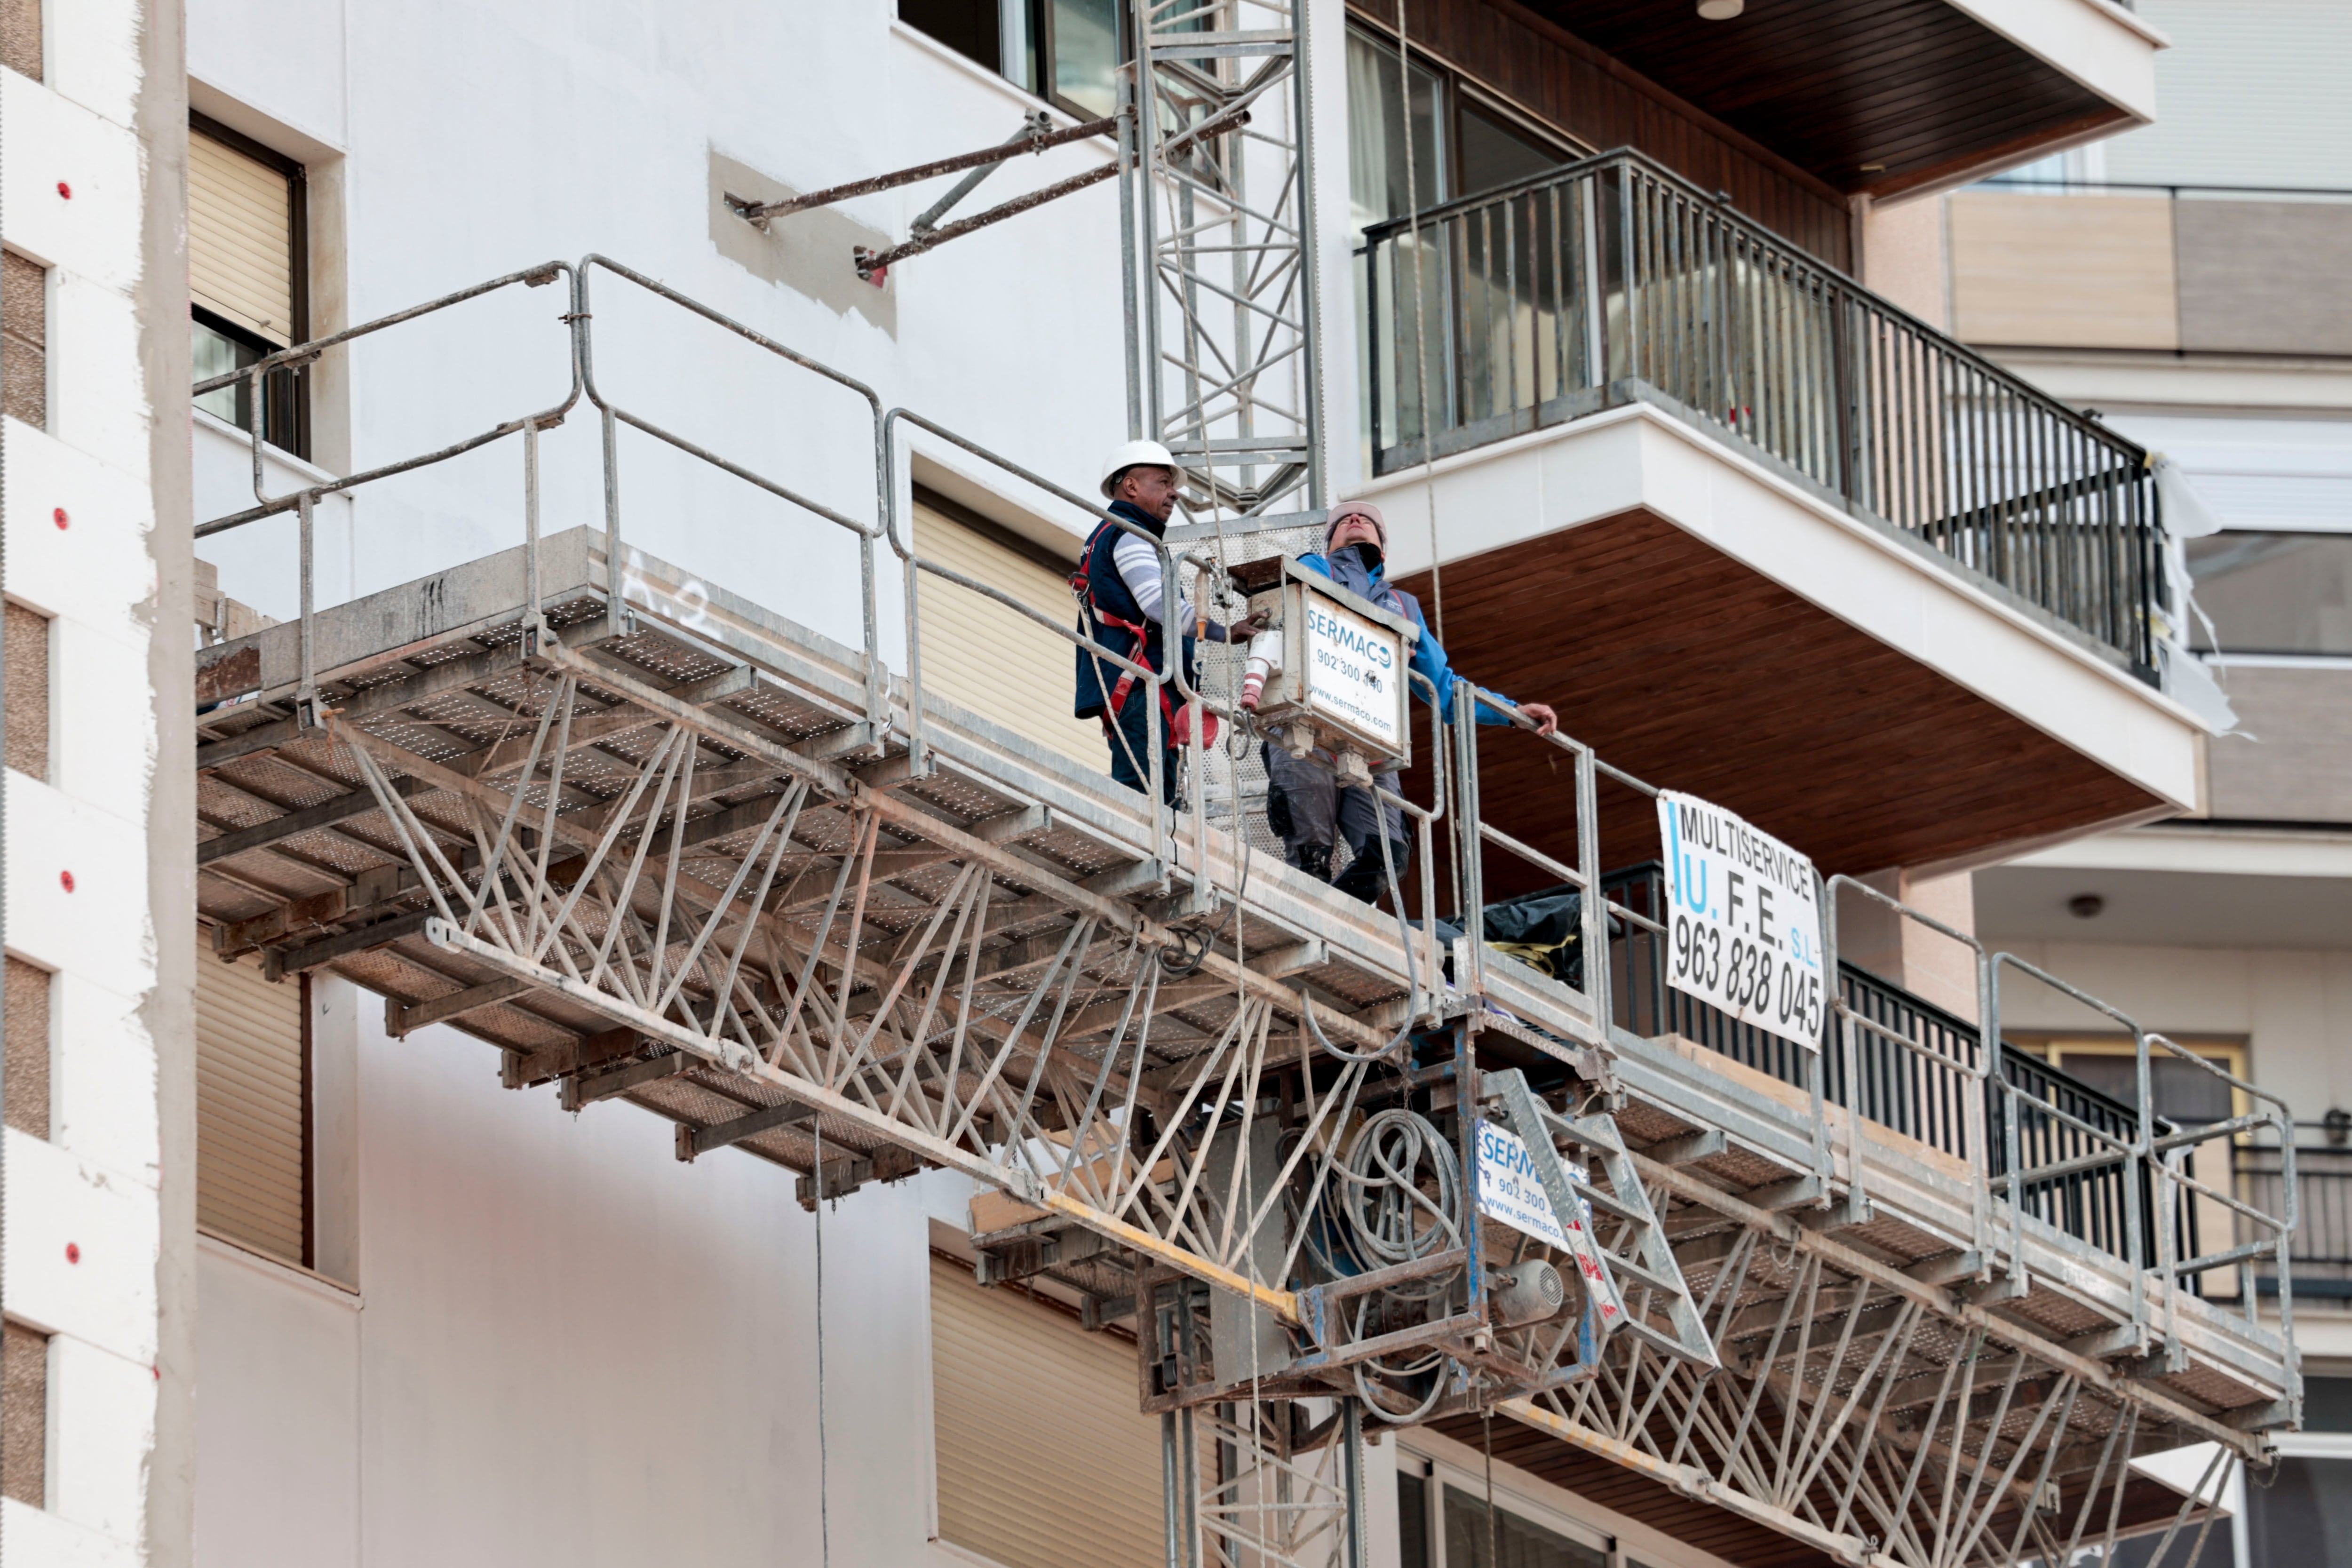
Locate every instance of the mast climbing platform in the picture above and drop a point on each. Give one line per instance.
(656, 844)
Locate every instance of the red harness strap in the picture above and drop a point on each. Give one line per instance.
(1082, 587)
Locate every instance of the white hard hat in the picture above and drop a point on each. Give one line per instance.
(1133, 454)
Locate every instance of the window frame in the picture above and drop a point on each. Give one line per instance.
(1039, 51)
(292, 433)
(1438, 1474)
(2205, 636)
(1457, 90)
(2231, 1055)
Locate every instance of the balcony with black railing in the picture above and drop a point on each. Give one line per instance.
(1611, 281)
(1914, 1069)
(2319, 1259)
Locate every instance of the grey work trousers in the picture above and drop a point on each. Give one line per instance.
(1313, 812)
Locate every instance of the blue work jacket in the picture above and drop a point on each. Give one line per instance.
(1346, 568)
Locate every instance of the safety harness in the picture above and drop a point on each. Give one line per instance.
(1082, 588)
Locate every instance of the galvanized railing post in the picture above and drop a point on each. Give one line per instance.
(2136, 1169)
(255, 393)
(917, 745)
(306, 694)
(1849, 1050)
(1593, 904)
(615, 595)
(534, 612)
(1466, 797)
(1974, 1114)
(2290, 1222)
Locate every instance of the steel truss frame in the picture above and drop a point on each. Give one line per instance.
(1853, 1414)
(706, 863)
(1226, 371)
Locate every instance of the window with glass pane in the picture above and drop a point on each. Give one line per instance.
(2183, 1091)
(2273, 593)
(1085, 53)
(1387, 102)
(1509, 1542)
(220, 349)
(1377, 179)
(972, 28)
(1413, 1521)
(247, 292)
(1495, 152)
(1508, 256)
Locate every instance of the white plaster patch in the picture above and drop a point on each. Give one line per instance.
(33, 1535)
(94, 233)
(104, 1049)
(104, 1293)
(88, 929)
(97, 568)
(102, 1428)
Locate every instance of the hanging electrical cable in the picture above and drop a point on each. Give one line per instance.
(1420, 326)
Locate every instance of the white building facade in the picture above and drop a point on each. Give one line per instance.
(100, 1264)
(336, 1296)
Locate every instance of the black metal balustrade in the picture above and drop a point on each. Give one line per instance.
(2320, 1255)
(1913, 1067)
(1612, 281)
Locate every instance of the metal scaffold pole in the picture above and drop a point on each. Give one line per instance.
(1228, 350)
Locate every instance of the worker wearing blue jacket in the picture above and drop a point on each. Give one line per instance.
(1306, 803)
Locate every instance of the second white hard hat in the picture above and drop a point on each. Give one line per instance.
(1131, 454)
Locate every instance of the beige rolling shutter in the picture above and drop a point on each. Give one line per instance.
(1044, 1459)
(999, 664)
(240, 239)
(250, 1110)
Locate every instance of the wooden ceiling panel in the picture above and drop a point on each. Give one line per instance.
(1835, 85)
(1632, 1494)
(1692, 672)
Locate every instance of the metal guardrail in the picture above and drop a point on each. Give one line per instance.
(1612, 281)
(2052, 1110)
(2319, 1256)
(788, 1044)
(1908, 1072)
(2039, 1144)
(1907, 1066)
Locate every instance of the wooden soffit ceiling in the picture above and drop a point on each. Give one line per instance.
(1693, 672)
(2147, 1504)
(1916, 87)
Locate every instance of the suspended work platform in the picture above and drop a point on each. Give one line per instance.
(672, 859)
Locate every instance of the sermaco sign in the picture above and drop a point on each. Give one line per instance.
(1353, 668)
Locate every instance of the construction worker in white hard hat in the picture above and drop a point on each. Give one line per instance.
(1307, 806)
(1121, 595)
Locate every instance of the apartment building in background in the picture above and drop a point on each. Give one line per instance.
(361, 1229)
(2180, 280)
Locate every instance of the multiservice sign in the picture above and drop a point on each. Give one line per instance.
(1744, 920)
(1510, 1190)
(1354, 666)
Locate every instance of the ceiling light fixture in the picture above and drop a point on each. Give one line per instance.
(1721, 10)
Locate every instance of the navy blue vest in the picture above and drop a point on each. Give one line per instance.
(1108, 603)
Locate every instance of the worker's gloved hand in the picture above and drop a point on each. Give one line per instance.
(1248, 627)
